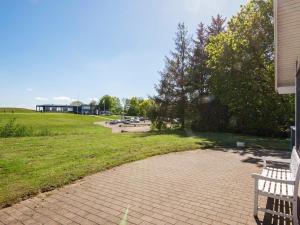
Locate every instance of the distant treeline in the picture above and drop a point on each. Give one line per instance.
(223, 78)
(133, 107)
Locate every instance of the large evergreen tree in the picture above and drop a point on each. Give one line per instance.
(207, 112)
(198, 68)
(172, 89)
(217, 25)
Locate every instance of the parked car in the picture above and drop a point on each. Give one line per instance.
(113, 122)
(127, 121)
(107, 113)
(136, 120)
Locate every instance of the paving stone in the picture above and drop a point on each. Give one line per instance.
(193, 187)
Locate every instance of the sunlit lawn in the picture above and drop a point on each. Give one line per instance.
(76, 147)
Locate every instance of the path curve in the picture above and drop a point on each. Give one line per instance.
(194, 187)
(131, 129)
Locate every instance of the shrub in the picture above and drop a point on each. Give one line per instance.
(12, 129)
(22, 131)
(8, 129)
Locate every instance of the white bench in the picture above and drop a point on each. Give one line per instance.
(279, 184)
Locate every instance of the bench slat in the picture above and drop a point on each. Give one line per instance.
(267, 183)
(261, 183)
(276, 188)
(273, 184)
(279, 184)
(290, 190)
(283, 186)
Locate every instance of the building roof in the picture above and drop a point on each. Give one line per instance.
(53, 105)
(287, 43)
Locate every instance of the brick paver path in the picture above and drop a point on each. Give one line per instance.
(195, 187)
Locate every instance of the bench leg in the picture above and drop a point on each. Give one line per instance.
(295, 213)
(255, 212)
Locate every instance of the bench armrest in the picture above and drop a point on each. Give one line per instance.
(261, 177)
(275, 160)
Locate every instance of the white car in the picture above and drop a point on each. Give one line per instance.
(136, 120)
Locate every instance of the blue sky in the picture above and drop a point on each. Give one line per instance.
(54, 51)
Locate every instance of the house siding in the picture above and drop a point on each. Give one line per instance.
(287, 43)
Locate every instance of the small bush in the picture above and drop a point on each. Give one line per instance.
(8, 129)
(22, 131)
(12, 129)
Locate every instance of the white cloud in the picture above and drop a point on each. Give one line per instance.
(29, 89)
(41, 99)
(93, 99)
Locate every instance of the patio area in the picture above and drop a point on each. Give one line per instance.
(194, 187)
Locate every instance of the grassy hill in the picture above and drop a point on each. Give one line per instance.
(15, 110)
(74, 146)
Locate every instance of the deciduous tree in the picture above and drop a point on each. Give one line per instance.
(242, 63)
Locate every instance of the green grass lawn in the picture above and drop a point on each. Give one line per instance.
(29, 165)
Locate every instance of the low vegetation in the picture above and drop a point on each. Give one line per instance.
(12, 129)
(33, 164)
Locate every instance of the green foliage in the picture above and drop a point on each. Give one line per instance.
(242, 64)
(133, 107)
(145, 107)
(11, 129)
(213, 116)
(233, 66)
(110, 103)
(172, 92)
(44, 132)
(205, 112)
(138, 106)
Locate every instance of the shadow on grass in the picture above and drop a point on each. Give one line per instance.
(257, 147)
(255, 156)
(258, 153)
(225, 140)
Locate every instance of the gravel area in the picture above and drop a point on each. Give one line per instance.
(119, 128)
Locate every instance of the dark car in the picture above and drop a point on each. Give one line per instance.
(113, 122)
(127, 121)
